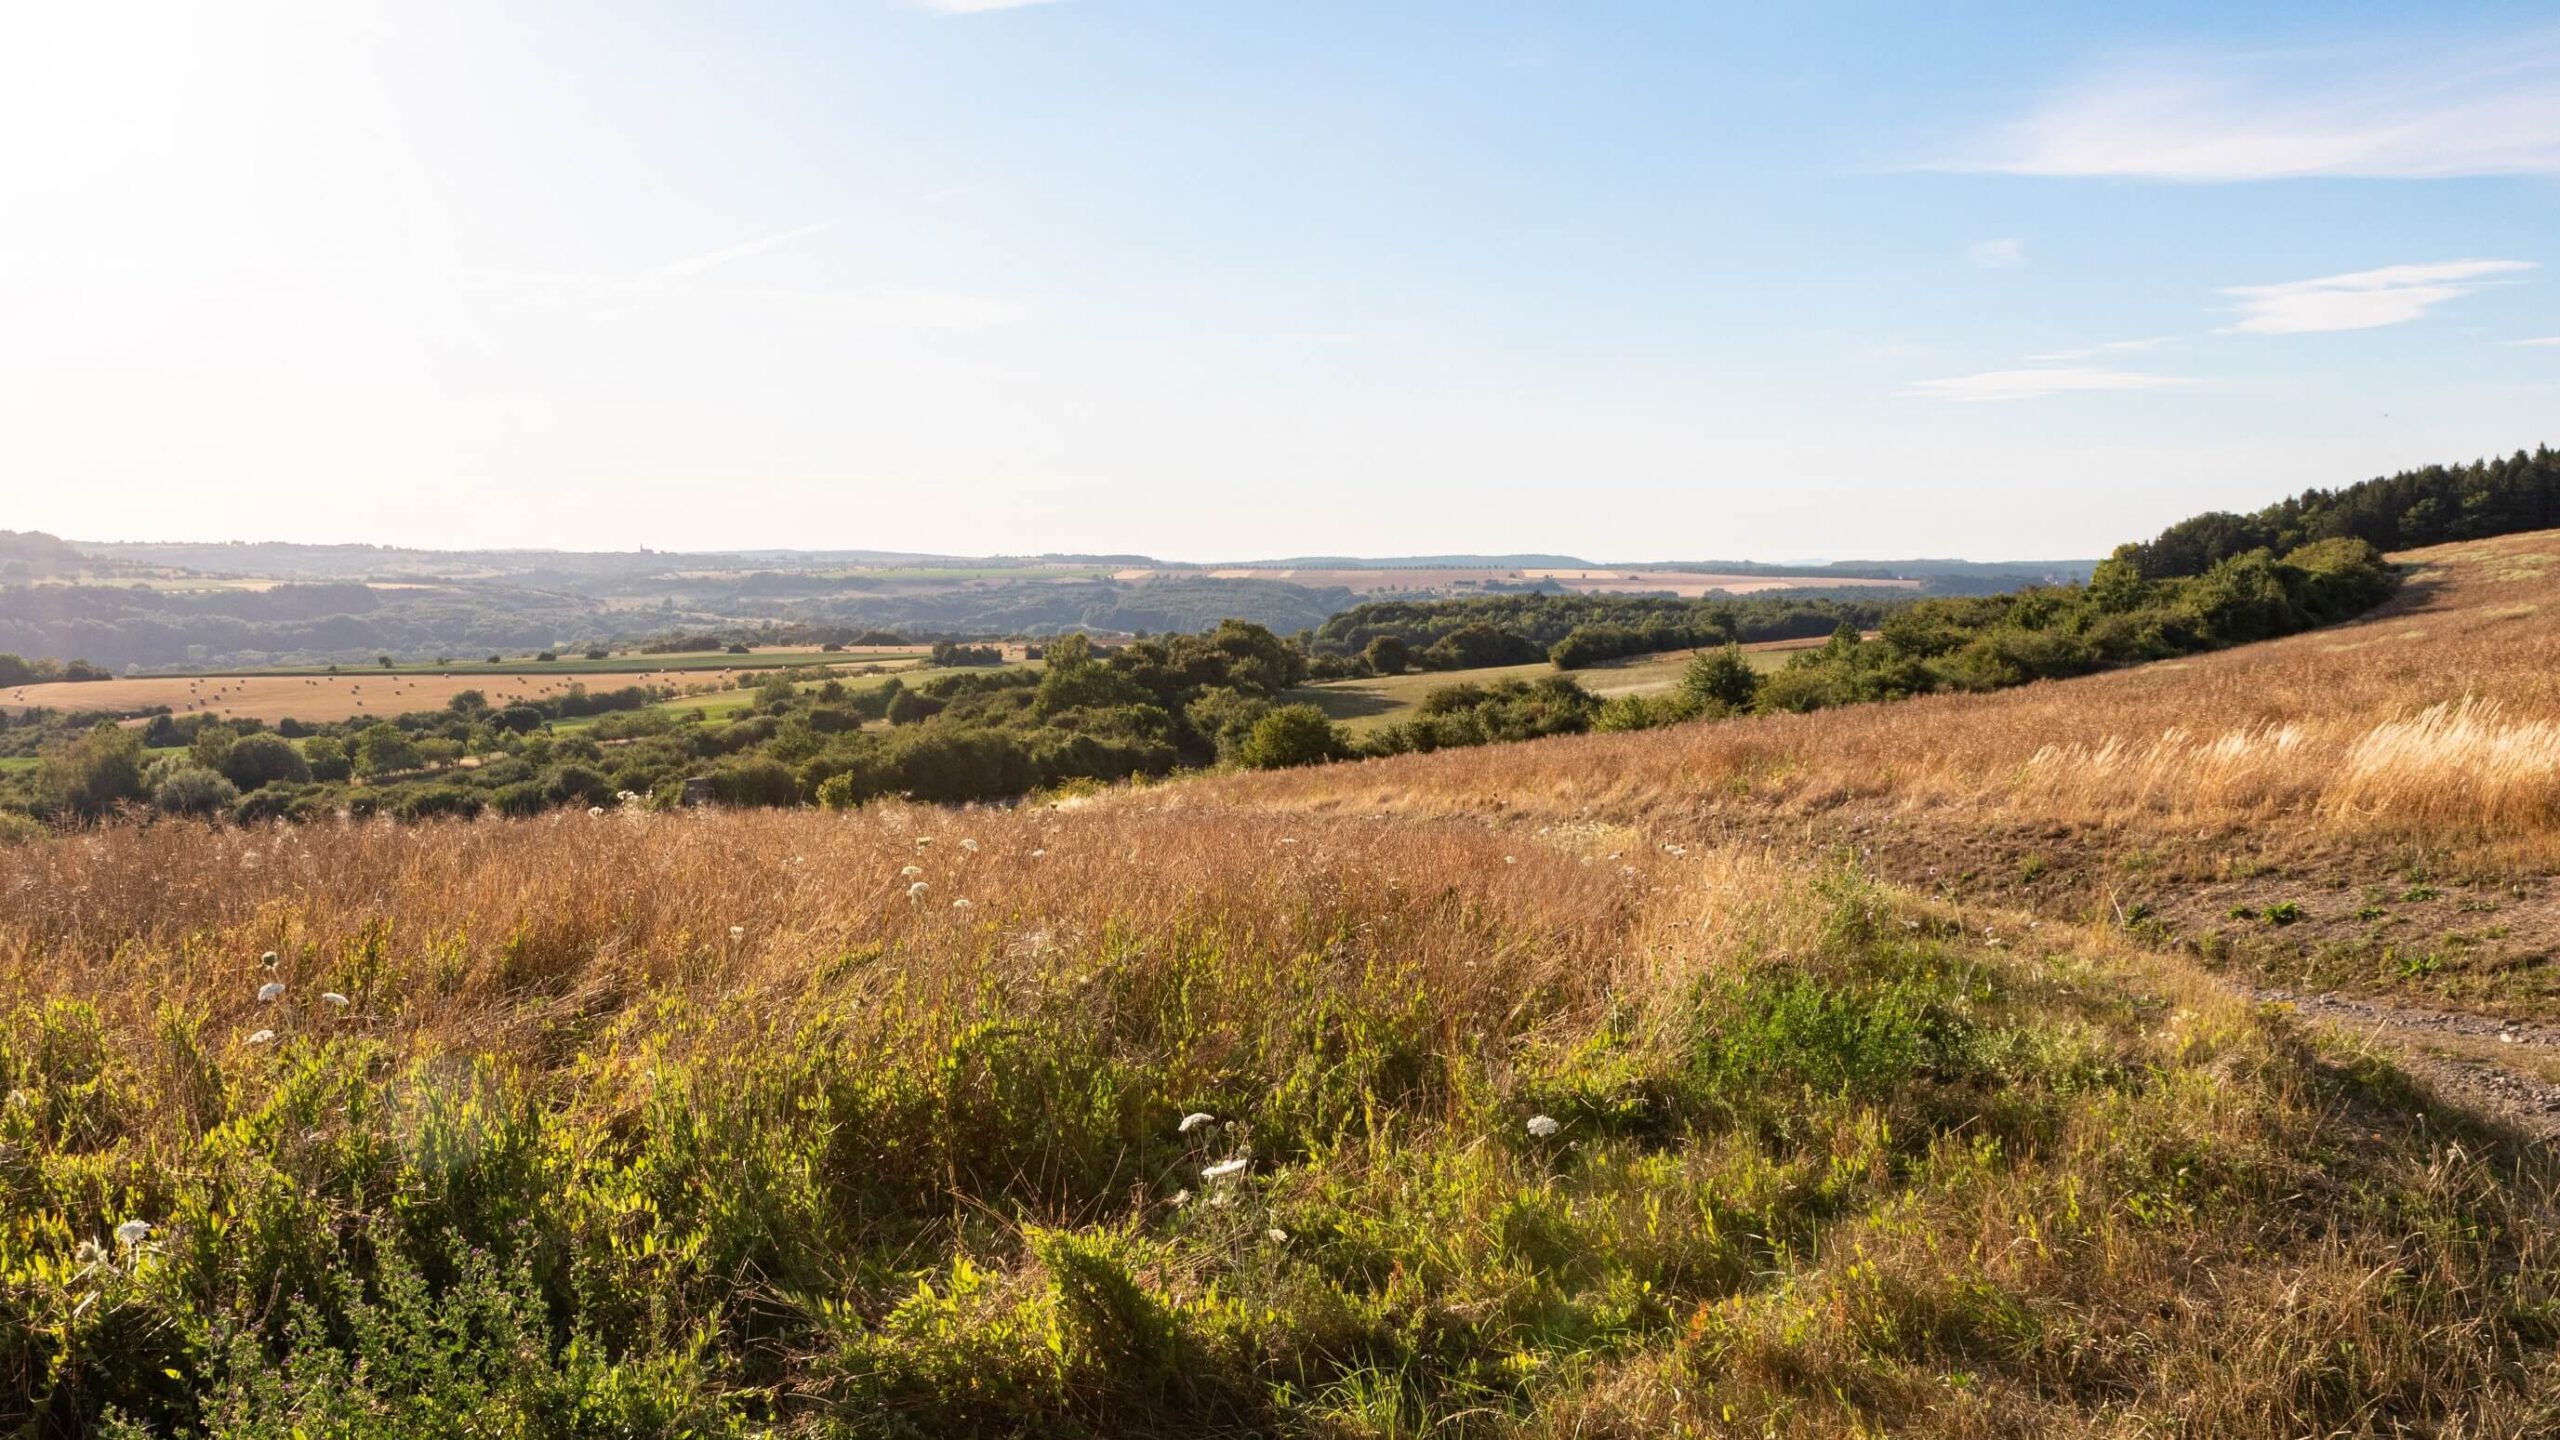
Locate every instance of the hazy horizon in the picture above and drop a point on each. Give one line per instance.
(1238, 559)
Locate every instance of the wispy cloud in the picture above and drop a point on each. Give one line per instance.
(909, 307)
(1997, 254)
(2037, 384)
(2108, 347)
(974, 7)
(2550, 340)
(688, 268)
(2406, 111)
(2364, 299)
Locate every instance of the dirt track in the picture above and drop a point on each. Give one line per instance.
(2503, 1067)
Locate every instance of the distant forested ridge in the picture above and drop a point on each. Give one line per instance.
(2430, 506)
(116, 626)
(1053, 607)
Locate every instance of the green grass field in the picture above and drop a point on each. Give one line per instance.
(12, 764)
(1362, 705)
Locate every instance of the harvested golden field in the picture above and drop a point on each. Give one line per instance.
(345, 696)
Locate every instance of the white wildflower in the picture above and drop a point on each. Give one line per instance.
(1543, 1126)
(1276, 1235)
(1227, 1169)
(263, 1037)
(1510, 859)
(1194, 1121)
(333, 999)
(271, 992)
(915, 892)
(132, 1233)
(960, 905)
(268, 959)
(969, 845)
(1181, 1197)
(910, 871)
(1036, 854)
(737, 932)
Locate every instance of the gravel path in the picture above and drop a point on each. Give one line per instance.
(2531, 1102)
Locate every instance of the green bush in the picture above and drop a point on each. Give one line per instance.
(1291, 735)
(194, 790)
(263, 759)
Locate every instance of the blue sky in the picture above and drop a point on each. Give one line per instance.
(1218, 280)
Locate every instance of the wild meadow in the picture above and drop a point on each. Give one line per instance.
(910, 1121)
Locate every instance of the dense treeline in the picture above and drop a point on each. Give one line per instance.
(1575, 630)
(1971, 643)
(2051, 632)
(2432, 506)
(19, 670)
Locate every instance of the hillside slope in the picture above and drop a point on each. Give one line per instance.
(1606, 1086)
(2395, 781)
(2329, 729)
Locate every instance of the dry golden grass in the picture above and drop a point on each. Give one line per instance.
(505, 925)
(320, 697)
(2433, 718)
(2125, 1227)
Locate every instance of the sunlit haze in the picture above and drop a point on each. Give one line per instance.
(1220, 280)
